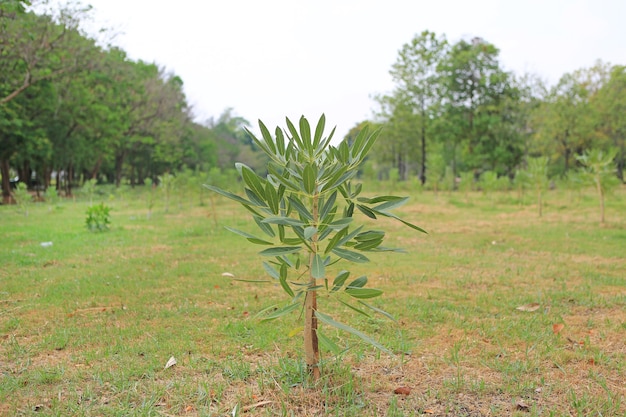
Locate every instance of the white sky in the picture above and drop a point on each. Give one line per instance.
(269, 59)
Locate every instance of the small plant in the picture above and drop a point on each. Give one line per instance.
(599, 170)
(52, 197)
(308, 231)
(166, 183)
(22, 198)
(537, 176)
(98, 217)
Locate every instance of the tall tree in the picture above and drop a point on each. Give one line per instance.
(417, 81)
(476, 96)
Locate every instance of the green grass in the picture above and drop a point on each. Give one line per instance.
(87, 324)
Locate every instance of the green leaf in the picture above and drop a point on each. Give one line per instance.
(281, 312)
(328, 343)
(280, 250)
(227, 194)
(319, 131)
(341, 223)
(378, 310)
(378, 199)
(309, 179)
(272, 272)
(300, 208)
(283, 280)
(367, 211)
(294, 134)
(363, 292)
(271, 195)
(350, 255)
(251, 179)
(305, 132)
(329, 320)
(309, 232)
(389, 205)
(248, 236)
(267, 137)
(359, 282)
(328, 205)
(339, 280)
(317, 267)
(358, 310)
(266, 228)
(285, 221)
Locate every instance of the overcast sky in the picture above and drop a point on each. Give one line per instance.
(268, 59)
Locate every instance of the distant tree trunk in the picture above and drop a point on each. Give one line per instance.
(119, 162)
(6, 185)
(94, 172)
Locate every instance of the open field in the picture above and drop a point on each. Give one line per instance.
(88, 323)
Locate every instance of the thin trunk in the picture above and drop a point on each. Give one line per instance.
(601, 195)
(423, 160)
(6, 185)
(311, 343)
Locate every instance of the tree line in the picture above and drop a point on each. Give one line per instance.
(77, 110)
(74, 109)
(455, 109)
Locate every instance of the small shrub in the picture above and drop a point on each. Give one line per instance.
(98, 218)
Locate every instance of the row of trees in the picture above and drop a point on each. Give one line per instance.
(455, 106)
(74, 107)
(80, 110)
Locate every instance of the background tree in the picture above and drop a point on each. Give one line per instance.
(417, 82)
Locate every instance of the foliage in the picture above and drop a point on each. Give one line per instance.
(98, 217)
(307, 233)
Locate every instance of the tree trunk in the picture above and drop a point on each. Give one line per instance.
(423, 140)
(6, 185)
(311, 343)
(119, 162)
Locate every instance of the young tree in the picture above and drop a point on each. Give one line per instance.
(537, 176)
(600, 170)
(296, 208)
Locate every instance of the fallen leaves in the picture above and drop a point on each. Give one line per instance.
(402, 391)
(529, 307)
(171, 362)
(557, 327)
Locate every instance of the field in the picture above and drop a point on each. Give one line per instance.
(499, 312)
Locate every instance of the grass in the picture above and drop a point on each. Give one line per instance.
(88, 324)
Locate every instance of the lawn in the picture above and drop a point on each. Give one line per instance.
(499, 312)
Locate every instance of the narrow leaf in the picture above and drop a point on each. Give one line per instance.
(328, 343)
(309, 179)
(339, 280)
(363, 292)
(317, 268)
(309, 232)
(378, 310)
(329, 320)
(283, 280)
(272, 272)
(281, 312)
(280, 250)
(350, 255)
(227, 194)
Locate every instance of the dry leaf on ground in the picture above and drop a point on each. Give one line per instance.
(402, 390)
(557, 327)
(529, 307)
